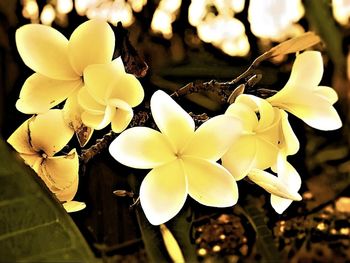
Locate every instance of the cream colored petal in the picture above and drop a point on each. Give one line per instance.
(272, 184)
(173, 121)
(72, 115)
(88, 103)
(122, 116)
(245, 114)
(98, 121)
(288, 174)
(40, 93)
(100, 78)
(289, 142)
(91, 43)
(265, 109)
(240, 158)
(214, 137)
(141, 147)
(209, 183)
(319, 114)
(45, 50)
(266, 153)
(327, 93)
(73, 206)
(20, 139)
(49, 132)
(60, 175)
(128, 89)
(163, 192)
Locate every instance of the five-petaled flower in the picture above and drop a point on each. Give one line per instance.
(183, 160)
(37, 140)
(303, 97)
(109, 95)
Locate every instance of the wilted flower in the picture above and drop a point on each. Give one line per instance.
(183, 161)
(37, 140)
(109, 95)
(303, 97)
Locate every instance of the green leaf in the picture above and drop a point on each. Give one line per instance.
(34, 226)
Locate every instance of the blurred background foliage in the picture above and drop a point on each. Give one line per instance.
(198, 40)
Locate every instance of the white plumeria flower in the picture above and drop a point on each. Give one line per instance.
(109, 95)
(59, 63)
(183, 161)
(37, 140)
(257, 147)
(303, 97)
(266, 135)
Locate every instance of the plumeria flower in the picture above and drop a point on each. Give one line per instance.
(266, 135)
(59, 64)
(183, 161)
(37, 141)
(109, 95)
(258, 145)
(303, 97)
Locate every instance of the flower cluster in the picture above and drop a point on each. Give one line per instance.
(253, 135)
(95, 91)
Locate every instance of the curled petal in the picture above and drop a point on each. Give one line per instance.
(45, 50)
(88, 103)
(49, 132)
(73, 206)
(163, 192)
(98, 121)
(20, 139)
(122, 116)
(141, 147)
(60, 175)
(273, 185)
(245, 114)
(40, 93)
(214, 137)
(291, 178)
(173, 121)
(91, 43)
(289, 142)
(209, 183)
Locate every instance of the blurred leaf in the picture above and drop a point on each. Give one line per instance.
(34, 226)
(319, 16)
(255, 214)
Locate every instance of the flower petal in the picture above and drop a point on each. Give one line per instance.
(173, 121)
(20, 139)
(40, 93)
(209, 183)
(273, 184)
(240, 158)
(214, 137)
(49, 132)
(290, 177)
(122, 116)
(98, 121)
(60, 175)
(141, 147)
(163, 192)
(289, 142)
(99, 80)
(33, 160)
(88, 103)
(327, 93)
(245, 114)
(45, 50)
(91, 43)
(128, 89)
(73, 206)
(72, 115)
